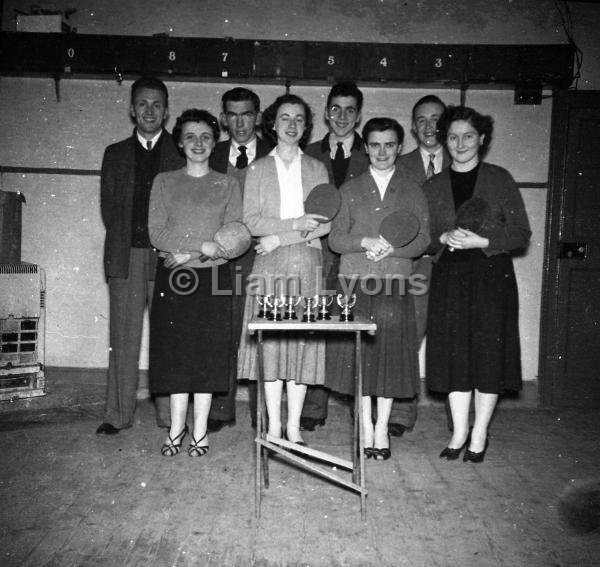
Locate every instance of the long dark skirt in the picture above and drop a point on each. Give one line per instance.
(389, 358)
(190, 333)
(473, 324)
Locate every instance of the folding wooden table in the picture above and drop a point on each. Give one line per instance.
(297, 453)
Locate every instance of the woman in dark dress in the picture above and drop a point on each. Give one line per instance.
(477, 218)
(190, 324)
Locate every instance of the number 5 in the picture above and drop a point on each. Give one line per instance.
(331, 60)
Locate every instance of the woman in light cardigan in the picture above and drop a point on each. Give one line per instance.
(288, 261)
(380, 276)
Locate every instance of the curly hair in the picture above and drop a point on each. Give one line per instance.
(270, 115)
(482, 123)
(195, 115)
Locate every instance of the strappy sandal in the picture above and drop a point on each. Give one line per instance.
(197, 450)
(171, 448)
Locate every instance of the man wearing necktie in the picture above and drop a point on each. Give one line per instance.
(239, 117)
(128, 169)
(342, 152)
(427, 160)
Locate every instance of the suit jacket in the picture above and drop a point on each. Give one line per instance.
(219, 159)
(359, 162)
(414, 163)
(361, 214)
(262, 201)
(117, 185)
(508, 226)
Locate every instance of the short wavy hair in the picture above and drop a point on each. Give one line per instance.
(195, 115)
(381, 124)
(484, 124)
(270, 114)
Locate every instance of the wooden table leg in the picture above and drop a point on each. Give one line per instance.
(358, 430)
(259, 428)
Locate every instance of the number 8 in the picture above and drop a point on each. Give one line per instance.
(172, 56)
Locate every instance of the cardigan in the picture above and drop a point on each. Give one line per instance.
(508, 226)
(186, 211)
(361, 214)
(262, 200)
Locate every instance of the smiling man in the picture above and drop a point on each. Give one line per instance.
(239, 117)
(128, 169)
(343, 153)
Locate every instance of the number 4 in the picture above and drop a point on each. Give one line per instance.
(383, 62)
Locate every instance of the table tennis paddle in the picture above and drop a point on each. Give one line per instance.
(472, 214)
(234, 238)
(399, 228)
(324, 199)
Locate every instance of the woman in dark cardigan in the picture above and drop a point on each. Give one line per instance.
(477, 218)
(379, 275)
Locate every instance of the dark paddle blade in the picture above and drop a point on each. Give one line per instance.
(399, 228)
(234, 238)
(324, 200)
(472, 214)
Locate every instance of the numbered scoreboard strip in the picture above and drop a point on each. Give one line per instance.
(208, 58)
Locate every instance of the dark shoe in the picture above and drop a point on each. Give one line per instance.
(214, 425)
(382, 454)
(310, 423)
(397, 429)
(106, 429)
(163, 424)
(253, 423)
(453, 454)
(197, 450)
(472, 457)
(171, 448)
(369, 452)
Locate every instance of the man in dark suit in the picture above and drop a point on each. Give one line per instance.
(240, 115)
(343, 153)
(428, 159)
(128, 169)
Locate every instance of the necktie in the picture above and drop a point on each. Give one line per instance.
(242, 159)
(431, 166)
(149, 144)
(339, 171)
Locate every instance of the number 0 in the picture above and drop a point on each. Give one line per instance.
(70, 52)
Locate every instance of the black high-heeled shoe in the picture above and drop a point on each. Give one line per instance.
(452, 454)
(473, 457)
(171, 448)
(369, 452)
(197, 450)
(383, 454)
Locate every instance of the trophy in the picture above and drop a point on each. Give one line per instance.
(309, 305)
(346, 304)
(277, 303)
(265, 303)
(323, 302)
(289, 304)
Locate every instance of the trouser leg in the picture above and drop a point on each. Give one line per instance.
(128, 298)
(315, 402)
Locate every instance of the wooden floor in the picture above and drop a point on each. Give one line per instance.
(71, 498)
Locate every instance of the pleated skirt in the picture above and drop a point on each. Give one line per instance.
(473, 324)
(389, 358)
(292, 270)
(190, 333)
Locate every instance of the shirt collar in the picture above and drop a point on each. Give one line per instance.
(144, 141)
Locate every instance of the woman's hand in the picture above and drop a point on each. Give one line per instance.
(376, 247)
(267, 244)
(463, 239)
(176, 259)
(212, 250)
(308, 222)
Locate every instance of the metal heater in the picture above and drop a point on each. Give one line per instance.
(22, 330)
